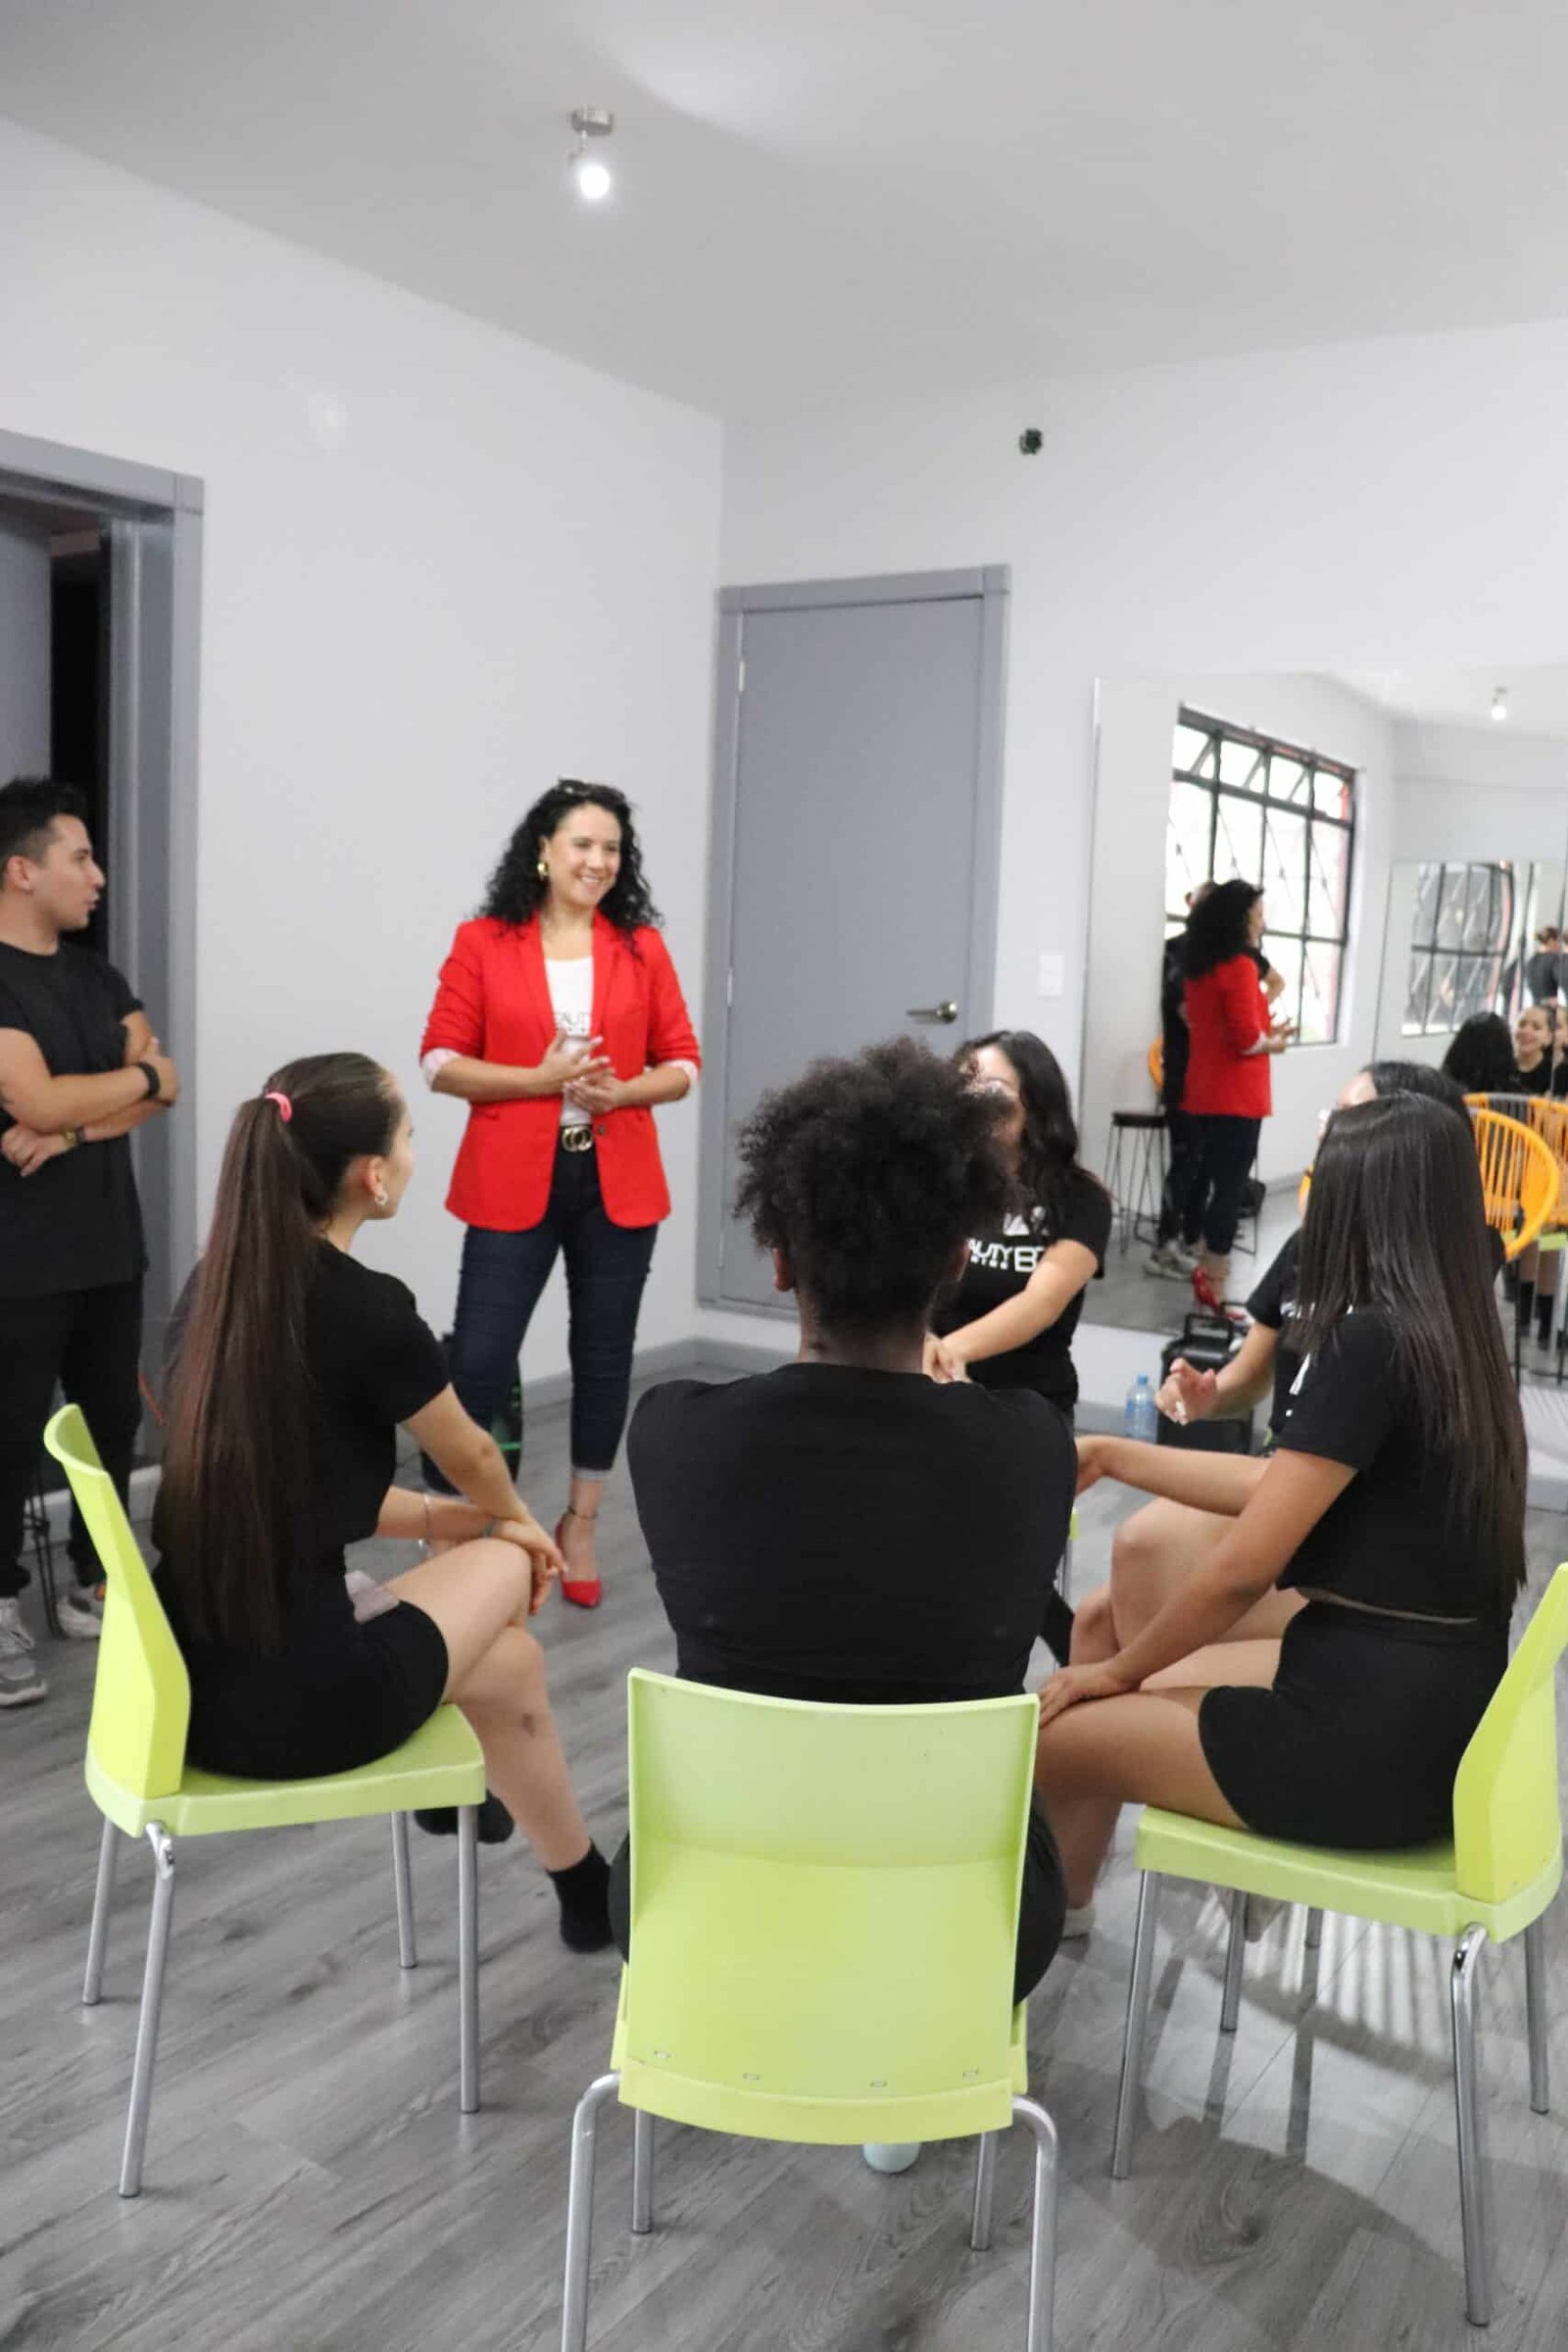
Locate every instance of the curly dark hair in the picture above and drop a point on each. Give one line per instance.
(868, 1175)
(1049, 1148)
(1217, 927)
(516, 889)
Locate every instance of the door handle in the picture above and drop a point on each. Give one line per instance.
(947, 1011)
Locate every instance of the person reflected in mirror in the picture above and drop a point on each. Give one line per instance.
(1544, 969)
(1233, 1041)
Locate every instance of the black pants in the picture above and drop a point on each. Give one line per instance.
(1229, 1148)
(502, 1279)
(1181, 1206)
(89, 1343)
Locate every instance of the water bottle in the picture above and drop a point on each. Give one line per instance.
(1140, 1415)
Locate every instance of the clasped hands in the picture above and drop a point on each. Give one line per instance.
(27, 1150)
(582, 1076)
(544, 1555)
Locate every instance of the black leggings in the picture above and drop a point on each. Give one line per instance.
(1042, 1904)
(89, 1341)
(1228, 1148)
(1181, 1206)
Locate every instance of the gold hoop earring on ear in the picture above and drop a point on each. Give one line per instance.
(542, 870)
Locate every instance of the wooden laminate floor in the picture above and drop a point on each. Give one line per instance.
(311, 2185)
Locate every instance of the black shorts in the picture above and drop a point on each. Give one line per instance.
(336, 1694)
(1358, 1742)
(1042, 1904)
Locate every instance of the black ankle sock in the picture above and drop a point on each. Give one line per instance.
(583, 1893)
(441, 1821)
(1056, 1627)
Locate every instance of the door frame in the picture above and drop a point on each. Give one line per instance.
(991, 584)
(152, 848)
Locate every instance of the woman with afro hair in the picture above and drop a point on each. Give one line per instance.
(560, 1021)
(846, 1528)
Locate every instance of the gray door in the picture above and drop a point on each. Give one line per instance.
(855, 875)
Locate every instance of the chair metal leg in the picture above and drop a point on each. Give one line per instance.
(985, 2184)
(469, 1958)
(1043, 2231)
(1314, 1929)
(403, 1884)
(1131, 2048)
(1467, 2115)
(1230, 2008)
(580, 2212)
(1535, 2017)
(642, 2172)
(98, 1934)
(152, 2003)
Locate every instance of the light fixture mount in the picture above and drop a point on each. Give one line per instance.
(592, 178)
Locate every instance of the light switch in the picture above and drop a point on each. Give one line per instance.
(1050, 976)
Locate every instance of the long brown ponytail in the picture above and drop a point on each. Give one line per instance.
(236, 1461)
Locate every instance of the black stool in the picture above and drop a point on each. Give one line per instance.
(1135, 1172)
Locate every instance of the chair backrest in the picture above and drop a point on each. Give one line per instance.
(141, 1697)
(1548, 1116)
(1519, 1176)
(1507, 1819)
(824, 1898)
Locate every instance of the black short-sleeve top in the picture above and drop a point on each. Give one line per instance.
(371, 1363)
(1392, 1538)
(74, 1224)
(1000, 1267)
(857, 1537)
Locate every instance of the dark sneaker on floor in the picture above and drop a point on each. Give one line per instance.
(20, 1683)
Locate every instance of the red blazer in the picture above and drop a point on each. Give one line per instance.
(1226, 1012)
(493, 1001)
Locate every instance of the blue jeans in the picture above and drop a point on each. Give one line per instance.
(503, 1277)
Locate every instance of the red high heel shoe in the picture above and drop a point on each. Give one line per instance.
(583, 1591)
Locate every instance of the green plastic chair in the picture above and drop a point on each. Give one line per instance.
(824, 1910)
(139, 1779)
(1491, 1882)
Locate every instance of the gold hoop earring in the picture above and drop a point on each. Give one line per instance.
(542, 870)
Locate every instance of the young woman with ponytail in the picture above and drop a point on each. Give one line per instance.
(295, 1369)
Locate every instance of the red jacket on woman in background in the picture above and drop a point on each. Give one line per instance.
(1227, 1013)
(493, 1003)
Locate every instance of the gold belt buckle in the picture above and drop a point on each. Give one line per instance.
(576, 1138)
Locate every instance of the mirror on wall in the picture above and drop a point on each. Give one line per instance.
(1409, 831)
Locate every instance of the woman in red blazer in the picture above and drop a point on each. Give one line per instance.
(560, 1021)
(1231, 1041)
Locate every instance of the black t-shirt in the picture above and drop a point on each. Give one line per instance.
(1391, 1540)
(76, 1223)
(1542, 975)
(1001, 1264)
(371, 1363)
(858, 1538)
(1533, 1082)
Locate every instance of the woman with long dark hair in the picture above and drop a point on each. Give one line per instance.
(1480, 1060)
(1394, 1502)
(560, 1021)
(295, 1369)
(1231, 1041)
(1009, 1320)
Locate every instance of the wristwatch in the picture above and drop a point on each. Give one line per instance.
(71, 1137)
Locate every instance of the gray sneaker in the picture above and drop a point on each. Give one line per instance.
(20, 1683)
(81, 1611)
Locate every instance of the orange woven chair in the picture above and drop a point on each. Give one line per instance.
(1521, 1181)
(1157, 1065)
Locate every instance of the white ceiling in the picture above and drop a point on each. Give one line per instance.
(895, 196)
(1538, 699)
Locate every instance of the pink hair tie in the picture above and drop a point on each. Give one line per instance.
(284, 1106)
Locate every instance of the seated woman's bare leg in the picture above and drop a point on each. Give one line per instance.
(1140, 1750)
(1153, 1553)
(478, 1595)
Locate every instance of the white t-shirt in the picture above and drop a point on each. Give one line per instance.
(572, 999)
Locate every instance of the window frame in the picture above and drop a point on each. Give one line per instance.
(1498, 870)
(1206, 777)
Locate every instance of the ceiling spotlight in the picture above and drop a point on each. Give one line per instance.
(1500, 704)
(592, 178)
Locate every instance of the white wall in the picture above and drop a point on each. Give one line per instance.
(1464, 793)
(23, 652)
(1393, 504)
(441, 567)
(1127, 898)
